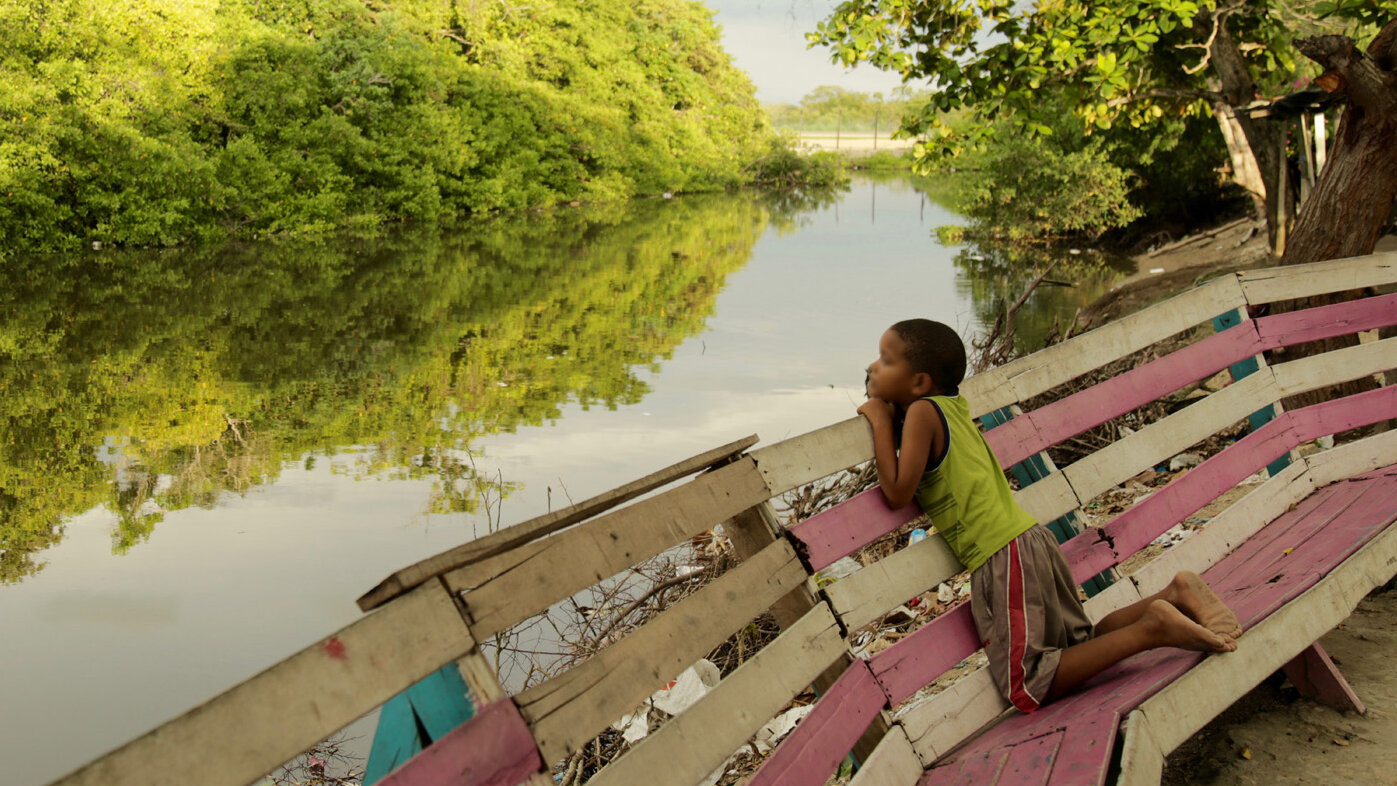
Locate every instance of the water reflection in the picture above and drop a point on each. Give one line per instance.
(153, 382)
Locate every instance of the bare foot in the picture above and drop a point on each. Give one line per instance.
(1191, 595)
(1172, 628)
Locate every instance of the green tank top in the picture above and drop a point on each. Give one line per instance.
(965, 494)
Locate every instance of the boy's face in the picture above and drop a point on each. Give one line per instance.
(891, 378)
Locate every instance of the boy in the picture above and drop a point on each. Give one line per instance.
(1038, 640)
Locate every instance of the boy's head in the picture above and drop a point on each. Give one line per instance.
(916, 358)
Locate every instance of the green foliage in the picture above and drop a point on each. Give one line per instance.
(147, 123)
(785, 168)
(203, 372)
(1118, 63)
(831, 108)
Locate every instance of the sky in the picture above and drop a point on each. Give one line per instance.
(767, 40)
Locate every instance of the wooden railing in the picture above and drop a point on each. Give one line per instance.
(440, 610)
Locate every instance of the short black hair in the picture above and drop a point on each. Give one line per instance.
(934, 349)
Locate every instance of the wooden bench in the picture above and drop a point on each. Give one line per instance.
(1293, 557)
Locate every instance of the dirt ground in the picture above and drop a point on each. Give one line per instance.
(1272, 735)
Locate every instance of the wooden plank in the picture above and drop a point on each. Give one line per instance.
(1129, 455)
(893, 762)
(700, 739)
(1048, 498)
(511, 537)
(1026, 377)
(1218, 538)
(1339, 319)
(426, 711)
(1046, 426)
(1269, 284)
(876, 589)
(1142, 764)
(911, 664)
(1104, 547)
(1185, 706)
(794, 462)
(588, 553)
(249, 730)
(811, 753)
(1033, 761)
(849, 526)
(395, 740)
(571, 708)
(1333, 417)
(492, 749)
(939, 723)
(1314, 674)
(1340, 365)
(1353, 458)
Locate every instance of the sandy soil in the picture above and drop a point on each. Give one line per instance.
(1272, 735)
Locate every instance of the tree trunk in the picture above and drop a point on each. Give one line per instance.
(1355, 192)
(1260, 162)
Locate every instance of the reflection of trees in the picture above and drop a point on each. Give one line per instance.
(994, 275)
(205, 371)
(791, 208)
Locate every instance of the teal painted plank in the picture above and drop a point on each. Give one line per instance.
(417, 717)
(1243, 368)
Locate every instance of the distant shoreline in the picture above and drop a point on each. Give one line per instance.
(853, 141)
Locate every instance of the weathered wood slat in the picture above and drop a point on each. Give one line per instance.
(696, 742)
(804, 459)
(519, 534)
(893, 762)
(849, 526)
(810, 754)
(1314, 324)
(1333, 417)
(941, 722)
(872, 591)
(492, 749)
(1142, 763)
(1127, 456)
(1195, 698)
(1269, 284)
(1353, 458)
(1026, 377)
(1048, 498)
(580, 557)
(1340, 365)
(571, 708)
(909, 665)
(249, 730)
(1314, 674)
(1051, 424)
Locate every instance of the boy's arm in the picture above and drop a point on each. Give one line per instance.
(900, 472)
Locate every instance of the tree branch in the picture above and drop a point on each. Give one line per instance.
(1353, 73)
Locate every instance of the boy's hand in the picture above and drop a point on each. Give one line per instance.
(877, 411)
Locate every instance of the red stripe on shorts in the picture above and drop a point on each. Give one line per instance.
(1018, 633)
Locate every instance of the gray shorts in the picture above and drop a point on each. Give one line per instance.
(1027, 612)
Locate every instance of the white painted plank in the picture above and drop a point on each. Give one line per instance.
(598, 549)
(939, 723)
(699, 740)
(1046, 369)
(571, 708)
(1185, 706)
(804, 459)
(876, 589)
(1340, 365)
(1269, 284)
(251, 729)
(893, 762)
(1142, 764)
(1131, 454)
(1048, 498)
(1353, 458)
(535, 528)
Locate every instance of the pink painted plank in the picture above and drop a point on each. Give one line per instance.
(1098, 549)
(1339, 319)
(911, 664)
(848, 527)
(494, 748)
(1332, 417)
(1313, 672)
(1088, 718)
(1105, 400)
(810, 754)
(1032, 762)
(1035, 431)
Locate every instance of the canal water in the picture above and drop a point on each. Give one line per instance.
(206, 456)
